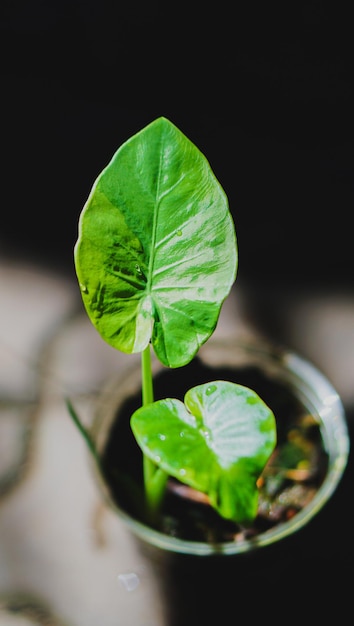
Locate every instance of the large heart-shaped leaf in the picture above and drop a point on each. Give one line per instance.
(156, 254)
(218, 442)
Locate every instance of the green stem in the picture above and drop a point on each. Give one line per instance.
(148, 391)
(85, 433)
(154, 477)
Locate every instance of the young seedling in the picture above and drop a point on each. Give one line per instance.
(155, 258)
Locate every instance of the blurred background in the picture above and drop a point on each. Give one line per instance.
(265, 90)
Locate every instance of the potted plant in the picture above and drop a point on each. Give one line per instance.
(202, 456)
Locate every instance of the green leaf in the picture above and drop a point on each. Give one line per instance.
(156, 254)
(218, 442)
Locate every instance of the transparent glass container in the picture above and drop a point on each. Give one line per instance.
(277, 366)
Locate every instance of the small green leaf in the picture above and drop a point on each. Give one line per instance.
(156, 254)
(218, 442)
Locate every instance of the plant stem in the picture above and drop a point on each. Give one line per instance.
(147, 386)
(87, 437)
(154, 477)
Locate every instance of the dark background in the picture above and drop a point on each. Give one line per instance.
(265, 91)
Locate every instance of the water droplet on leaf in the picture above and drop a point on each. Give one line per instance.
(210, 390)
(206, 433)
